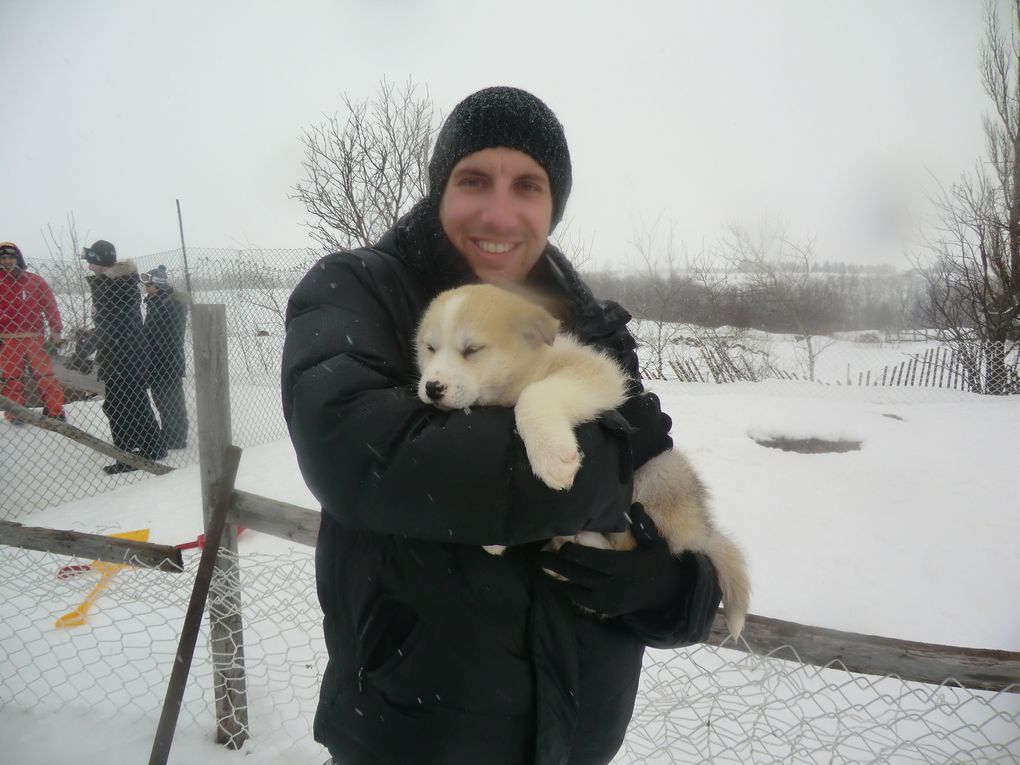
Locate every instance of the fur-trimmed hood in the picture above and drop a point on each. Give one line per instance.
(119, 269)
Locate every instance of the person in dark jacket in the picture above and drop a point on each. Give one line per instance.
(166, 319)
(120, 354)
(440, 653)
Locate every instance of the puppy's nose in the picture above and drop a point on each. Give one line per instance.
(434, 390)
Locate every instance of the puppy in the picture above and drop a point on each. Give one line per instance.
(482, 345)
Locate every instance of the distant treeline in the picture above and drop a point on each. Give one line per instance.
(836, 297)
(842, 298)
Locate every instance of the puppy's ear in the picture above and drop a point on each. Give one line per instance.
(538, 326)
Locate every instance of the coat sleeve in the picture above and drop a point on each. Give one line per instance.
(378, 459)
(50, 308)
(689, 619)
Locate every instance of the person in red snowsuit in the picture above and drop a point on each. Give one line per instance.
(27, 306)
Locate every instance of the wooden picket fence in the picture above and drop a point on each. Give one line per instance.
(937, 367)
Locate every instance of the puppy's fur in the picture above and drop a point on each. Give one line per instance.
(481, 345)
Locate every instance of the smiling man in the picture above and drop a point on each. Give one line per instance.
(440, 653)
(497, 212)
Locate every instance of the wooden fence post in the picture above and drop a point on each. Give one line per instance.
(161, 743)
(212, 394)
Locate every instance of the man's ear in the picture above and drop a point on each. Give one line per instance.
(538, 326)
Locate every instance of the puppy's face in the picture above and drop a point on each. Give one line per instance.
(476, 345)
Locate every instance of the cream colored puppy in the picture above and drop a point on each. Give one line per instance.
(481, 345)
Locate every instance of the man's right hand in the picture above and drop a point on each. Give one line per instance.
(650, 437)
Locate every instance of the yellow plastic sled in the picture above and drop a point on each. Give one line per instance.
(79, 616)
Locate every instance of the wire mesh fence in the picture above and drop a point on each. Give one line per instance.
(153, 409)
(131, 338)
(118, 663)
(702, 704)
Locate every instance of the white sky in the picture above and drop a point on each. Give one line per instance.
(912, 537)
(825, 113)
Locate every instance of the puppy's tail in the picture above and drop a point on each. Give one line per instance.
(734, 582)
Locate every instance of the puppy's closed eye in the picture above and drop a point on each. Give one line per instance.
(471, 350)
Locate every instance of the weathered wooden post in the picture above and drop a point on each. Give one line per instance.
(212, 394)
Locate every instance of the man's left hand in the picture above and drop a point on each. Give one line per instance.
(613, 583)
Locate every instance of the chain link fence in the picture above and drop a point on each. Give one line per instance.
(141, 335)
(42, 468)
(117, 668)
(701, 704)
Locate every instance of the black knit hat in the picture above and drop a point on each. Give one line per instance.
(10, 248)
(156, 277)
(101, 253)
(503, 116)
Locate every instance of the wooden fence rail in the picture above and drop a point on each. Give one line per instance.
(981, 669)
(976, 668)
(79, 435)
(77, 544)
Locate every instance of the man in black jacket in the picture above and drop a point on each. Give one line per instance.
(166, 319)
(120, 354)
(440, 653)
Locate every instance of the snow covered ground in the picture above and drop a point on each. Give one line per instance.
(914, 536)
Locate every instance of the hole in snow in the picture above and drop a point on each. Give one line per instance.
(809, 445)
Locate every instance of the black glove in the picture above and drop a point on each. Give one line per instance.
(651, 425)
(613, 583)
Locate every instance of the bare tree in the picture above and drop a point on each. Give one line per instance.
(730, 352)
(676, 301)
(972, 271)
(779, 273)
(65, 274)
(654, 306)
(364, 170)
(573, 245)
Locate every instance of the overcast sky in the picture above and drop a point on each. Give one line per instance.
(827, 113)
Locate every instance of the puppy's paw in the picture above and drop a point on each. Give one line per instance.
(494, 549)
(593, 539)
(586, 538)
(550, 443)
(555, 461)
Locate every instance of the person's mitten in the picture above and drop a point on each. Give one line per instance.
(650, 435)
(612, 583)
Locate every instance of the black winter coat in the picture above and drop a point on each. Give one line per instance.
(117, 316)
(166, 318)
(439, 653)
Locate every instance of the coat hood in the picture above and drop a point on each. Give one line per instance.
(9, 247)
(120, 268)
